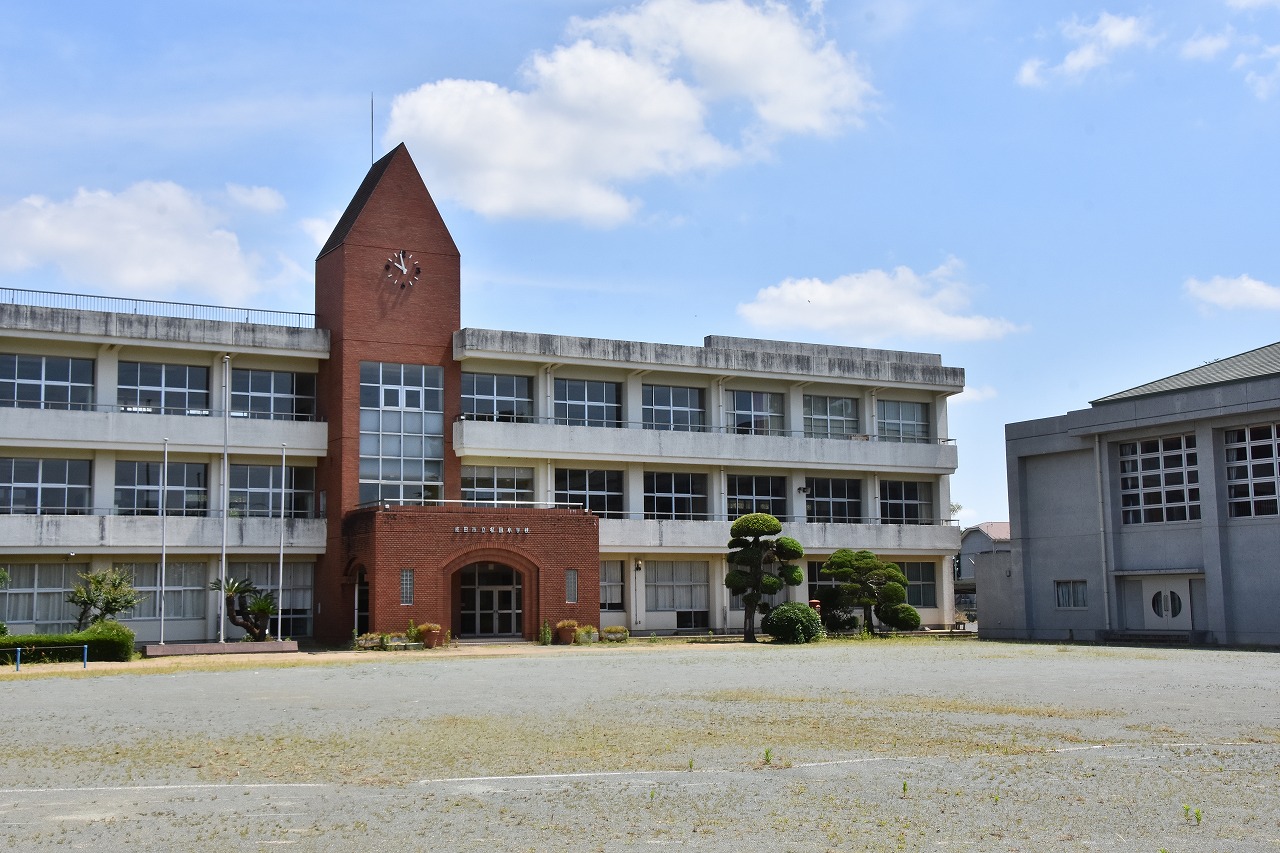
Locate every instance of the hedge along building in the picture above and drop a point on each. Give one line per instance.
(484, 480)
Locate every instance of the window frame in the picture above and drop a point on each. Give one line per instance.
(405, 437)
(278, 395)
(903, 421)
(1251, 467)
(823, 424)
(821, 493)
(46, 486)
(501, 397)
(680, 491)
(750, 493)
(162, 388)
(30, 381)
(661, 408)
(601, 493)
(905, 500)
(756, 412)
(1151, 486)
(1076, 594)
(497, 485)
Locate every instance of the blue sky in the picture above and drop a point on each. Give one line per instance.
(1066, 199)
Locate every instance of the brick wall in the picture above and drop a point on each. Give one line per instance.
(371, 319)
(437, 543)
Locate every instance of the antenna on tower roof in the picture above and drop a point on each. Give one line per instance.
(372, 158)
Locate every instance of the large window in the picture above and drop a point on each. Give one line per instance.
(906, 502)
(1159, 480)
(401, 433)
(612, 580)
(922, 584)
(749, 493)
(496, 397)
(406, 586)
(273, 394)
(830, 417)
(756, 412)
(255, 491)
(674, 408)
(588, 402)
(1071, 595)
(1251, 470)
(833, 499)
(37, 596)
(599, 492)
(44, 486)
(675, 495)
(186, 591)
(898, 420)
(294, 600)
(491, 484)
(176, 389)
(680, 586)
(46, 382)
(138, 485)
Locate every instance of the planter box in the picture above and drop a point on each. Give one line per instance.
(232, 648)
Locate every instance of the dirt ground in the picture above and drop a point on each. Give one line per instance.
(871, 745)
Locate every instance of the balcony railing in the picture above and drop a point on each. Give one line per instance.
(649, 516)
(184, 411)
(155, 308)
(150, 513)
(700, 428)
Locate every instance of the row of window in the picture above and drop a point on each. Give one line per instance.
(590, 402)
(63, 487)
(684, 495)
(61, 382)
(37, 592)
(1160, 477)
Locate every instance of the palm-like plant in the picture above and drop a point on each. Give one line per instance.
(247, 606)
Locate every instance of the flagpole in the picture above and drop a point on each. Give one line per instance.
(284, 473)
(164, 557)
(226, 497)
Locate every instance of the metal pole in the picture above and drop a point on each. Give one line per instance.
(284, 473)
(164, 487)
(226, 497)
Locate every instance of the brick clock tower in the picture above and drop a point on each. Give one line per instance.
(402, 545)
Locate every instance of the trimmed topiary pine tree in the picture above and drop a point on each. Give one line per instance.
(763, 564)
(868, 582)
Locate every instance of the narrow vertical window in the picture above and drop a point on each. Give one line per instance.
(571, 586)
(406, 586)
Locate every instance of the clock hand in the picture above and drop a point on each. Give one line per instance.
(400, 262)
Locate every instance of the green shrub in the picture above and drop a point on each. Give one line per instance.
(792, 622)
(585, 634)
(544, 633)
(900, 616)
(615, 634)
(107, 640)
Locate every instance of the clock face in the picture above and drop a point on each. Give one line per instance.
(402, 270)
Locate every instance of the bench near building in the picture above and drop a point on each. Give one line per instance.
(1150, 515)
(379, 465)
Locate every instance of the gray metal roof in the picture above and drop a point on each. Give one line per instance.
(1254, 364)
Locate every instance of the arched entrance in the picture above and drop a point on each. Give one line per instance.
(492, 598)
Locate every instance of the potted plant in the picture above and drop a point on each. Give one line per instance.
(586, 634)
(565, 631)
(431, 634)
(615, 634)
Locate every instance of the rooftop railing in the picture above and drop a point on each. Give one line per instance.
(155, 308)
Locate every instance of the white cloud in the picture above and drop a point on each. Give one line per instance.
(319, 229)
(1265, 81)
(1097, 45)
(1206, 47)
(973, 394)
(151, 240)
(261, 199)
(629, 98)
(1239, 292)
(877, 304)
(1254, 4)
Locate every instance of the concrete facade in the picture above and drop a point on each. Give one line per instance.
(1152, 513)
(848, 446)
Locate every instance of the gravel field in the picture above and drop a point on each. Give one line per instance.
(875, 745)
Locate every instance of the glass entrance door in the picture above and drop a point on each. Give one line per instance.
(492, 601)
(1167, 604)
